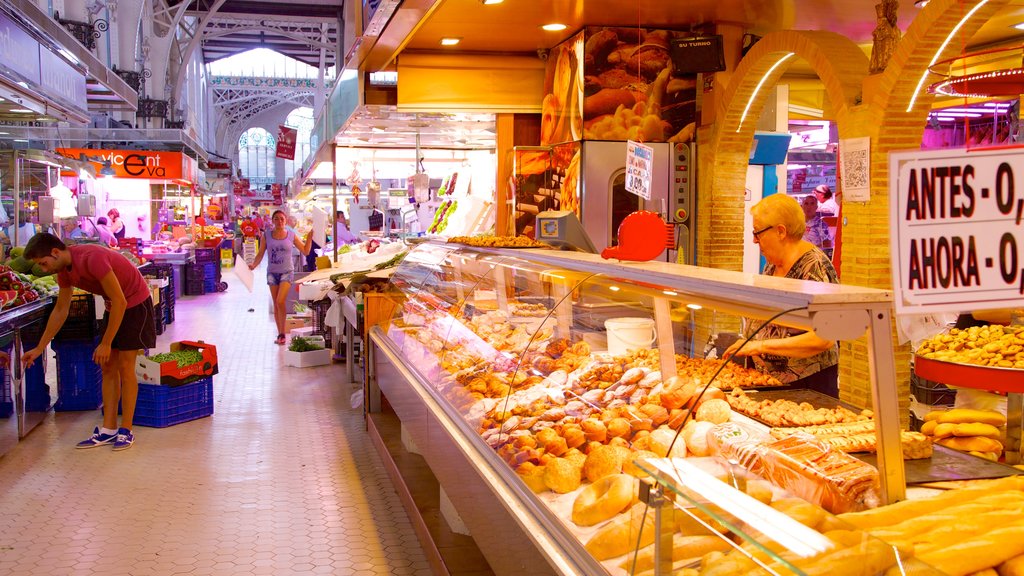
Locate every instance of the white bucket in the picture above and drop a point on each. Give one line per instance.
(625, 334)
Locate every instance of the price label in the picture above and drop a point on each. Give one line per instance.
(957, 234)
(639, 164)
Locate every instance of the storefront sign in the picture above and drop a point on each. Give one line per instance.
(957, 230)
(151, 164)
(286, 138)
(639, 164)
(61, 79)
(19, 51)
(278, 193)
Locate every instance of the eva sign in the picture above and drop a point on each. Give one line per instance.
(639, 162)
(957, 224)
(150, 164)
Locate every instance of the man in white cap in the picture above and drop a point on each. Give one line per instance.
(826, 202)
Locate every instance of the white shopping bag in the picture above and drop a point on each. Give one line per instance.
(319, 226)
(243, 272)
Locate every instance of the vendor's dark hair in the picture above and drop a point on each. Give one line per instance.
(42, 245)
(102, 220)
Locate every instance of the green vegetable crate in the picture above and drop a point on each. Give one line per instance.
(185, 363)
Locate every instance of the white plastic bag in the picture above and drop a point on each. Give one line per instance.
(357, 399)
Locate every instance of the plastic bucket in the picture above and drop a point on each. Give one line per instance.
(625, 334)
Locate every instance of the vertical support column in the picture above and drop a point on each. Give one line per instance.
(666, 340)
(885, 402)
(504, 141)
(1014, 420)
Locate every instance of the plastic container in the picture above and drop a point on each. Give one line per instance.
(625, 334)
(319, 309)
(81, 323)
(162, 406)
(931, 393)
(204, 255)
(79, 379)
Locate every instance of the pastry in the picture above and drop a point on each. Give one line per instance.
(716, 411)
(604, 461)
(561, 475)
(630, 467)
(603, 499)
(594, 430)
(532, 476)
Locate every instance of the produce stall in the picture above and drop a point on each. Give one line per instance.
(510, 372)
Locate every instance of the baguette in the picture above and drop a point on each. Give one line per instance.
(928, 428)
(934, 415)
(1012, 567)
(977, 429)
(900, 511)
(971, 444)
(967, 415)
(944, 429)
(992, 549)
(683, 548)
(622, 534)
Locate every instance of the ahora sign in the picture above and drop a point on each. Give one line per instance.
(151, 164)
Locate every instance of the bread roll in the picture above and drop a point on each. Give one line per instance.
(621, 534)
(977, 429)
(696, 437)
(683, 547)
(966, 415)
(971, 444)
(944, 429)
(1012, 567)
(928, 428)
(715, 411)
(934, 415)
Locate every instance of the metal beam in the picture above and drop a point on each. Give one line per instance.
(296, 9)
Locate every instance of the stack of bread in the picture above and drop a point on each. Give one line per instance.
(860, 437)
(978, 432)
(977, 530)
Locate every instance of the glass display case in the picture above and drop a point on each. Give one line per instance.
(547, 390)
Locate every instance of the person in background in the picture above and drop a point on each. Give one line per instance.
(103, 229)
(129, 321)
(25, 231)
(826, 203)
(116, 224)
(345, 236)
(279, 241)
(816, 230)
(71, 229)
(797, 358)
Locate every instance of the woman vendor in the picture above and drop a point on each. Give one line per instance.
(797, 358)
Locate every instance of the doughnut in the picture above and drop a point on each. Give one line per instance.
(594, 430)
(561, 475)
(603, 499)
(604, 461)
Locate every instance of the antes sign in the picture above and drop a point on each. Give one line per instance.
(151, 164)
(957, 234)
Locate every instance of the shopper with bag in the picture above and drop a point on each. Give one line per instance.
(129, 322)
(278, 242)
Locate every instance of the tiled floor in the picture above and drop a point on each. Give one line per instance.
(281, 480)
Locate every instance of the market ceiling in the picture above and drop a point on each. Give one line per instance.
(299, 29)
(514, 25)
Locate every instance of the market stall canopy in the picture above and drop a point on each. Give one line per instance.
(387, 127)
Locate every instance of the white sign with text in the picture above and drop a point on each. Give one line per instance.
(639, 166)
(957, 234)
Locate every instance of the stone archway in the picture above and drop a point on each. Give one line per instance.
(840, 65)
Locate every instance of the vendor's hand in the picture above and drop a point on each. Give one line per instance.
(102, 354)
(29, 356)
(753, 348)
(252, 266)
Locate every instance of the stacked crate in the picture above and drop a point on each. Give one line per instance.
(79, 379)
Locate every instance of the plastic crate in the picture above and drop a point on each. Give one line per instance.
(6, 400)
(204, 255)
(158, 318)
(81, 323)
(320, 328)
(195, 287)
(168, 313)
(79, 379)
(931, 393)
(162, 406)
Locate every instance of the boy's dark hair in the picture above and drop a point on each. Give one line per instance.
(42, 245)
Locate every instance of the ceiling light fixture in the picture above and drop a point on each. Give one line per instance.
(942, 48)
(554, 27)
(107, 170)
(1019, 26)
(450, 41)
(22, 110)
(491, 2)
(921, 3)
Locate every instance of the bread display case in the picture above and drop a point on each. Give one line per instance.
(549, 390)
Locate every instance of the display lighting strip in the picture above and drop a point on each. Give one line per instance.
(760, 84)
(942, 48)
(946, 87)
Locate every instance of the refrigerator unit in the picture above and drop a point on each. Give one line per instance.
(605, 202)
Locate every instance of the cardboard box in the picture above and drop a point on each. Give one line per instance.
(169, 374)
(307, 359)
(296, 322)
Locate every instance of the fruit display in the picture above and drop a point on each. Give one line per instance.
(17, 288)
(978, 432)
(995, 345)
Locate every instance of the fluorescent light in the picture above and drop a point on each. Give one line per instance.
(669, 293)
(614, 288)
(694, 306)
(1019, 26)
(22, 110)
(4, 133)
(958, 115)
(20, 140)
(554, 27)
(450, 41)
(942, 48)
(491, 2)
(757, 88)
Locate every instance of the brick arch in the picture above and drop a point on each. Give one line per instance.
(840, 64)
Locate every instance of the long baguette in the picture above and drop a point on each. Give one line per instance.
(922, 525)
(992, 549)
(1012, 567)
(894, 513)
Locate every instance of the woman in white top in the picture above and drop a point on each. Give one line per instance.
(826, 202)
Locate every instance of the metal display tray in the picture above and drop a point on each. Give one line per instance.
(945, 464)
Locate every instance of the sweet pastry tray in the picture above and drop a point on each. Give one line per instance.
(970, 375)
(945, 464)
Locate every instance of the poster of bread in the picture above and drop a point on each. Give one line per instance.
(615, 83)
